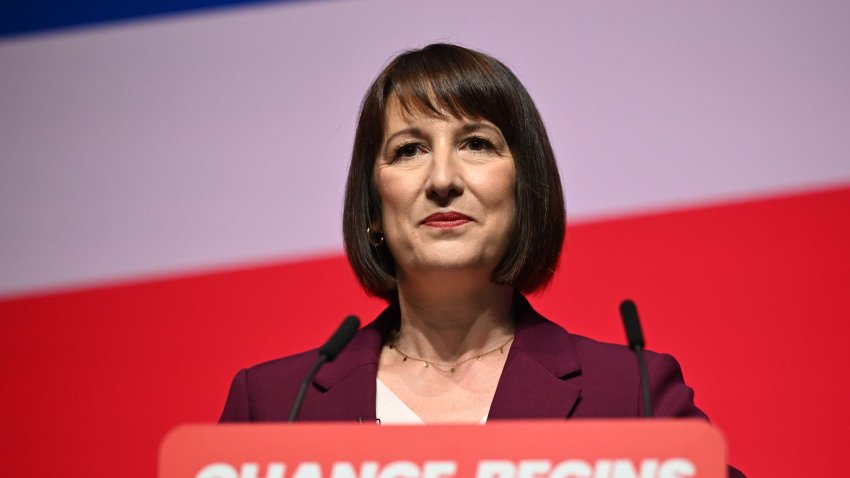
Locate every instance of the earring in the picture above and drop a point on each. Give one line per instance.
(375, 238)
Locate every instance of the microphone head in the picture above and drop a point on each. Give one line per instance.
(634, 334)
(340, 338)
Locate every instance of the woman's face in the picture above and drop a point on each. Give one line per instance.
(447, 192)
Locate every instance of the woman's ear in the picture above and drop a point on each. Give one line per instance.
(375, 233)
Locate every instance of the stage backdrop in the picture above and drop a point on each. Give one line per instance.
(171, 180)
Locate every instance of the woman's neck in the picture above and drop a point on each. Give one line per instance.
(447, 319)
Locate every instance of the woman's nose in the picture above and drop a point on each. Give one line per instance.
(444, 178)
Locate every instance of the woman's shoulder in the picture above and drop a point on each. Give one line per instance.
(597, 352)
(265, 392)
(365, 344)
(264, 387)
(591, 353)
(607, 373)
(614, 361)
(284, 366)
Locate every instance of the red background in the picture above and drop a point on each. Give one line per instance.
(750, 297)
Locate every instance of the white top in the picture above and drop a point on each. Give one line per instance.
(391, 410)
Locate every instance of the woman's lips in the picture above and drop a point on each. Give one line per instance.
(445, 220)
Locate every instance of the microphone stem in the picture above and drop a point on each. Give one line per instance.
(644, 381)
(299, 399)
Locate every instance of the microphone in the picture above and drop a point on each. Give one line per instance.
(634, 335)
(327, 353)
(340, 338)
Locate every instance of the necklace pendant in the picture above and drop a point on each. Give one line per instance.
(427, 364)
(404, 359)
(453, 370)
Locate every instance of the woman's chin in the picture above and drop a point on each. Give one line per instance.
(459, 265)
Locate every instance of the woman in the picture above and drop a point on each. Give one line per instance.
(453, 209)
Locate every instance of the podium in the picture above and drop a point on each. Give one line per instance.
(657, 448)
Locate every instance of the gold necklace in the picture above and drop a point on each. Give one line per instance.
(448, 367)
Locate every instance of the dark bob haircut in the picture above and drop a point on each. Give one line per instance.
(444, 80)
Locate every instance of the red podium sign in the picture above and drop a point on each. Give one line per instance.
(505, 449)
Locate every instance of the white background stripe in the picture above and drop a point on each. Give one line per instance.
(203, 140)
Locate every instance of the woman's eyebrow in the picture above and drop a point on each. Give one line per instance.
(477, 125)
(413, 131)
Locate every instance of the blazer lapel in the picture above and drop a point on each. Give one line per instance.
(535, 381)
(351, 399)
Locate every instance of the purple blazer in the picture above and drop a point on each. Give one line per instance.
(549, 373)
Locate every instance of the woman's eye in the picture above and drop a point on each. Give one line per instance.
(407, 150)
(479, 144)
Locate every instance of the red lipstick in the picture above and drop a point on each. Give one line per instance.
(445, 220)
